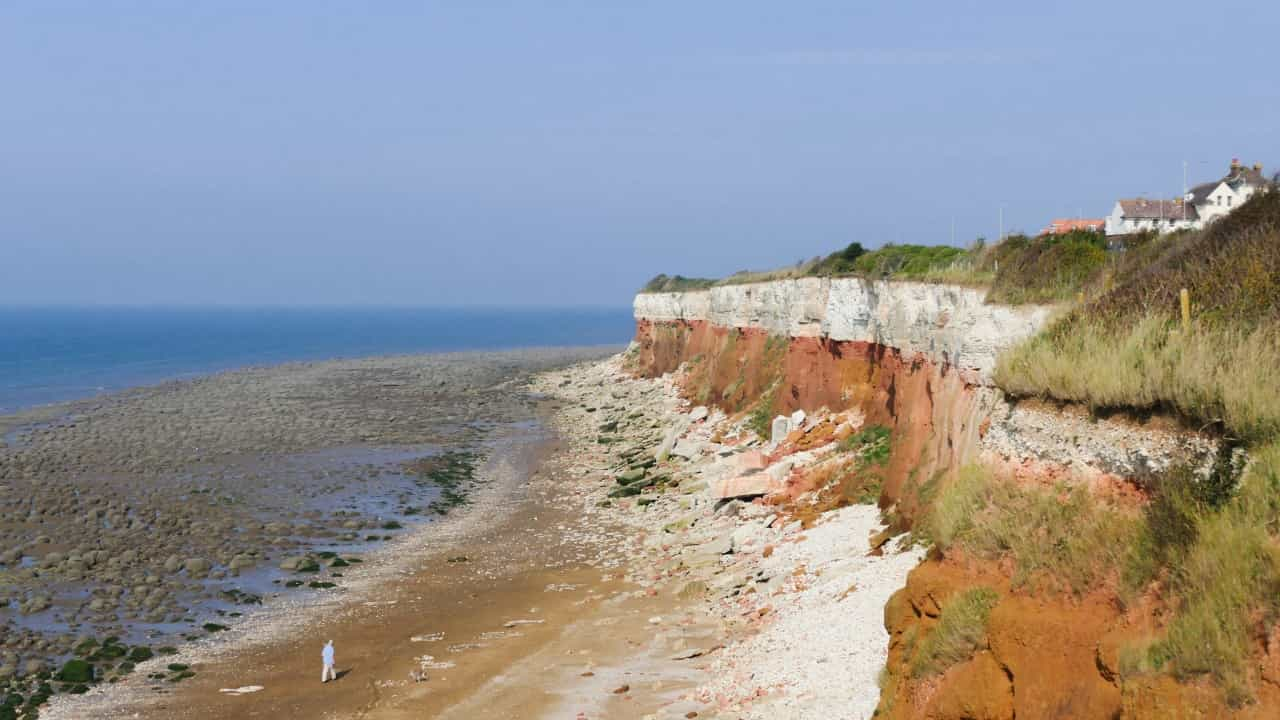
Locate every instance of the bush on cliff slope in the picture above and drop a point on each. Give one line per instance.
(1045, 269)
(1126, 349)
(1223, 579)
(1208, 553)
(961, 631)
(1058, 538)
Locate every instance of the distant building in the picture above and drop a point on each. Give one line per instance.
(1143, 215)
(1214, 199)
(1202, 204)
(1063, 226)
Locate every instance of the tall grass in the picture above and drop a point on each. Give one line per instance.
(1220, 564)
(1214, 375)
(1223, 583)
(1058, 538)
(961, 631)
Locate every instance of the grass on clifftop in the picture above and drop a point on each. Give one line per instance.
(676, 283)
(1126, 349)
(1021, 269)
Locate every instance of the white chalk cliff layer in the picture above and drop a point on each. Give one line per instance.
(949, 324)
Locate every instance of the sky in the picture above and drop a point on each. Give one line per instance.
(560, 153)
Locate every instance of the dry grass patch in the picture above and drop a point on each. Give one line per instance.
(1224, 585)
(1058, 538)
(1212, 375)
(961, 631)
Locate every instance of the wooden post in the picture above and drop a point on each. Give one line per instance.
(1184, 299)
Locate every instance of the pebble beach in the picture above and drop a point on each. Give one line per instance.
(592, 571)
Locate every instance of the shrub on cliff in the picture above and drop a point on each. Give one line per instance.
(961, 631)
(1058, 538)
(676, 283)
(1045, 269)
(841, 262)
(1224, 577)
(1126, 348)
(911, 262)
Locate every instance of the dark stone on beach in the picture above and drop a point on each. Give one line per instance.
(75, 671)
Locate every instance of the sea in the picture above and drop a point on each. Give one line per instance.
(50, 355)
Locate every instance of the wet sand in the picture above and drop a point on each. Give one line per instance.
(165, 516)
(558, 593)
(513, 608)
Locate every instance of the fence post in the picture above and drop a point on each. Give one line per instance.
(1184, 299)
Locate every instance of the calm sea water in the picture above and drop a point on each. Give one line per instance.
(50, 355)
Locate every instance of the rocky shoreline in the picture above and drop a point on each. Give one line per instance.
(728, 579)
(778, 611)
(133, 524)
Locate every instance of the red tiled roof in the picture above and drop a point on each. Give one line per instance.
(1065, 225)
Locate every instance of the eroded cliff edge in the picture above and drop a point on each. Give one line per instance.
(918, 359)
(915, 357)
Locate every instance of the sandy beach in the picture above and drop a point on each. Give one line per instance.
(557, 590)
(590, 573)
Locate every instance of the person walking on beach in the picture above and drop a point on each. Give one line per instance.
(327, 656)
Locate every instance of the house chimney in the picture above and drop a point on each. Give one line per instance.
(1257, 167)
(1235, 163)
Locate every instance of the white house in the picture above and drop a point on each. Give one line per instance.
(1203, 204)
(1143, 215)
(1214, 199)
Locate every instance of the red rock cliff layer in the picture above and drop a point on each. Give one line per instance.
(934, 413)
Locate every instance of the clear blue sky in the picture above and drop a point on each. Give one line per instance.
(557, 153)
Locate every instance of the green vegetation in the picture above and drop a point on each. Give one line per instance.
(1210, 375)
(75, 671)
(841, 262)
(907, 262)
(453, 472)
(961, 631)
(1208, 548)
(676, 283)
(1222, 568)
(871, 443)
(1126, 348)
(861, 479)
(1021, 269)
(1046, 269)
(761, 417)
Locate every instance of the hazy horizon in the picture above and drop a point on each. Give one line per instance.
(331, 154)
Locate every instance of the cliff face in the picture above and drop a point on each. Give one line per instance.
(947, 325)
(918, 359)
(914, 357)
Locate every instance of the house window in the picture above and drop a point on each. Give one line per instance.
(1219, 201)
(1228, 201)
